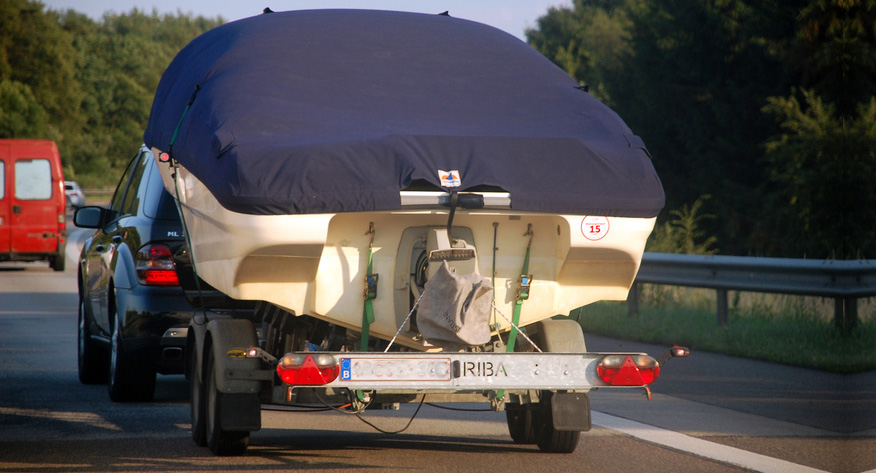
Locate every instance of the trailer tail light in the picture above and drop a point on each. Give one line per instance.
(301, 369)
(628, 370)
(155, 266)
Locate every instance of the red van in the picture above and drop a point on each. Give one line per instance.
(32, 202)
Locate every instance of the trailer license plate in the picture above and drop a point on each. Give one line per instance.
(396, 369)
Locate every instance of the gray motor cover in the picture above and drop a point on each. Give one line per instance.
(455, 309)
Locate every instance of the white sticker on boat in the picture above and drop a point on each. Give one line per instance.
(594, 228)
(450, 178)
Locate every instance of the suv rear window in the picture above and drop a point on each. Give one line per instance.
(167, 207)
(159, 202)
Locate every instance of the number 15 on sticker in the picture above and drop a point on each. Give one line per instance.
(594, 228)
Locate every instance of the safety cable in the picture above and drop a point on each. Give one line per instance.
(358, 414)
(410, 421)
(523, 334)
(438, 406)
(404, 322)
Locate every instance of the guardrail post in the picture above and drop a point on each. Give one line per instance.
(633, 300)
(845, 316)
(721, 307)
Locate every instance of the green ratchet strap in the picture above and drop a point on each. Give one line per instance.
(370, 293)
(522, 294)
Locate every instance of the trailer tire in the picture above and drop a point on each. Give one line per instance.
(221, 442)
(197, 403)
(549, 439)
(129, 381)
(519, 418)
(556, 336)
(92, 360)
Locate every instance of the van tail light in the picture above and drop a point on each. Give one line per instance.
(301, 369)
(155, 266)
(628, 370)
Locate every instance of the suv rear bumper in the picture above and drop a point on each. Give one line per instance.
(154, 326)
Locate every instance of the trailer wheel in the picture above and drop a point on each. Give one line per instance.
(92, 360)
(129, 381)
(556, 336)
(221, 442)
(549, 439)
(198, 412)
(519, 418)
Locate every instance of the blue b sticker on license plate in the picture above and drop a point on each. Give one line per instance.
(346, 372)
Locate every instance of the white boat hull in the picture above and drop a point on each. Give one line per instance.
(315, 264)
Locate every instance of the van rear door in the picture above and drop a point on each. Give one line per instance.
(5, 224)
(34, 212)
(35, 197)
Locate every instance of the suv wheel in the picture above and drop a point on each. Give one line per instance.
(92, 360)
(128, 381)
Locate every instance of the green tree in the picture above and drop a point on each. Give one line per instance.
(86, 85)
(590, 40)
(21, 115)
(690, 77)
(834, 52)
(684, 233)
(36, 52)
(822, 169)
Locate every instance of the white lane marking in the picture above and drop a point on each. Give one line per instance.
(700, 447)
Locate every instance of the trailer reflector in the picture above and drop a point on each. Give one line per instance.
(628, 370)
(303, 369)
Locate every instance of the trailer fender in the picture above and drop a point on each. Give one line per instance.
(226, 334)
(560, 336)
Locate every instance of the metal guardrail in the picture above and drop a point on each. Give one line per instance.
(844, 281)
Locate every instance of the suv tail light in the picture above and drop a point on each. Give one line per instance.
(155, 266)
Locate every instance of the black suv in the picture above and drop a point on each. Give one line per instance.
(133, 310)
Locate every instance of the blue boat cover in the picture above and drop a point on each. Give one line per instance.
(324, 111)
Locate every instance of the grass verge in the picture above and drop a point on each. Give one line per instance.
(792, 340)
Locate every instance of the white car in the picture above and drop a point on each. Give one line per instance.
(75, 196)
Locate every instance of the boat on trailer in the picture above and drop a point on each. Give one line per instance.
(331, 163)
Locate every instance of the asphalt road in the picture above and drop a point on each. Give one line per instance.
(708, 413)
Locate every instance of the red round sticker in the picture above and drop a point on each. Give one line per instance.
(594, 228)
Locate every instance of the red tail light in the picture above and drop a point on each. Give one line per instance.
(155, 266)
(302, 369)
(628, 370)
